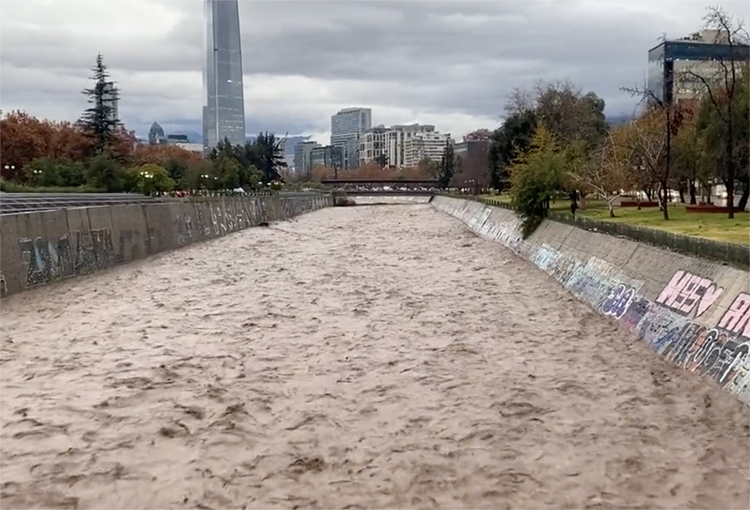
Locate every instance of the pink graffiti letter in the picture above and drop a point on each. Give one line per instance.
(673, 288)
(737, 318)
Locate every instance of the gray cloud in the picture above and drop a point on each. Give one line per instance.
(305, 59)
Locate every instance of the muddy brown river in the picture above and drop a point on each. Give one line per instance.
(368, 357)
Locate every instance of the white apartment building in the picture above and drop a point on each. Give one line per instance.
(425, 146)
(372, 145)
(346, 127)
(403, 145)
(192, 147)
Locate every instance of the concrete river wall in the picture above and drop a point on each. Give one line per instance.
(693, 312)
(46, 246)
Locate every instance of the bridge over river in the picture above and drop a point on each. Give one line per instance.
(366, 357)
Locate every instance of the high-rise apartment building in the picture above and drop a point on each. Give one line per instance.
(224, 113)
(402, 145)
(672, 65)
(373, 145)
(303, 156)
(425, 145)
(329, 156)
(346, 127)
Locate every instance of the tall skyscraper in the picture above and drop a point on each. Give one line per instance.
(224, 112)
(111, 97)
(346, 126)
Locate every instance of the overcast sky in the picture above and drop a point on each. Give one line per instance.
(449, 63)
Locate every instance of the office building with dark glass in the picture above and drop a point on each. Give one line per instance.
(224, 112)
(700, 53)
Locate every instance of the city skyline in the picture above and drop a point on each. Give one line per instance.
(451, 65)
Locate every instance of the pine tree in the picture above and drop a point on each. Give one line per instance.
(447, 167)
(100, 120)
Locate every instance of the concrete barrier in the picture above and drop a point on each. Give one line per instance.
(38, 248)
(693, 312)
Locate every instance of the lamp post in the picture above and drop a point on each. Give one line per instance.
(147, 182)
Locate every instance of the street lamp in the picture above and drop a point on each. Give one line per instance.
(147, 184)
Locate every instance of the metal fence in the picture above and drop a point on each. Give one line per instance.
(729, 253)
(14, 203)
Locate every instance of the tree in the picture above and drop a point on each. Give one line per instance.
(319, 172)
(104, 172)
(658, 116)
(149, 178)
(649, 144)
(606, 171)
(507, 142)
(267, 155)
(67, 141)
(99, 120)
(447, 167)
(162, 154)
(51, 172)
(722, 91)
(24, 138)
(382, 160)
(227, 172)
(570, 114)
(535, 177)
(693, 165)
(193, 178)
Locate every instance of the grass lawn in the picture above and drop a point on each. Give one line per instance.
(706, 225)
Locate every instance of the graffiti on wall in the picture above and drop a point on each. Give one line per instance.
(674, 323)
(712, 352)
(47, 260)
(720, 352)
(737, 317)
(688, 293)
(184, 229)
(618, 301)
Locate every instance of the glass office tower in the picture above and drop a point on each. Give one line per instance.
(224, 112)
(700, 53)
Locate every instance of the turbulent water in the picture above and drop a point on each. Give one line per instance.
(365, 357)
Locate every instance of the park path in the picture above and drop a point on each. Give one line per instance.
(368, 357)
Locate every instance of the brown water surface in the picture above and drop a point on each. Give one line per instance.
(369, 357)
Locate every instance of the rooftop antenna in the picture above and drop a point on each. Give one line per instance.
(663, 37)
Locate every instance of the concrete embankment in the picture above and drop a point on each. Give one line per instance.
(693, 312)
(42, 247)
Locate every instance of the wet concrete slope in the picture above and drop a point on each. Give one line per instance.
(361, 357)
(693, 312)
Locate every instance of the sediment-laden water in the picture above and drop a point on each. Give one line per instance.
(368, 357)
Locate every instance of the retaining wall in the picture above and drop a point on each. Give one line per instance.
(37, 248)
(691, 311)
